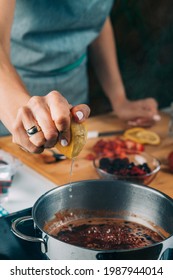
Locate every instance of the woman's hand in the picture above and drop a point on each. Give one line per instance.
(142, 112)
(40, 122)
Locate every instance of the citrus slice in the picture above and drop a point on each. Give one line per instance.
(142, 135)
(78, 140)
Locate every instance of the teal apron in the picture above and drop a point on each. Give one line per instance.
(49, 42)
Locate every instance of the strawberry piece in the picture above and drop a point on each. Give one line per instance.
(139, 147)
(122, 155)
(130, 145)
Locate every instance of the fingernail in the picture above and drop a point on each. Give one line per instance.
(156, 118)
(64, 142)
(80, 115)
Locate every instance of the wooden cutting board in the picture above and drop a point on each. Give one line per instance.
(59, 172)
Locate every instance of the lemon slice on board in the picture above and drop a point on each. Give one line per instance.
(142, 135)
(78, 140)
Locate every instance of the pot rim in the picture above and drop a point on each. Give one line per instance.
(98, 180)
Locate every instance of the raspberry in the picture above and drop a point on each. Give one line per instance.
(136, 170)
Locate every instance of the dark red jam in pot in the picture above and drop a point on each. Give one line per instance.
(106, 234)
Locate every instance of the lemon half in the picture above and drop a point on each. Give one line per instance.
(78, 140)
(142, 135)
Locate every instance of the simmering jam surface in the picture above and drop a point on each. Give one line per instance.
(106, 234)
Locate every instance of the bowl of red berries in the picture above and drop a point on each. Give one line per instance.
(137, 167)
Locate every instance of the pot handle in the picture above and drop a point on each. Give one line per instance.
(27, 237)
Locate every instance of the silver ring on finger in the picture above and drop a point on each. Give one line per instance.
(33, 130)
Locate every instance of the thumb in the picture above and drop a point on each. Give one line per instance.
(80, 112)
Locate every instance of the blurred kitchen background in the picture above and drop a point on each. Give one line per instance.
(144, 39)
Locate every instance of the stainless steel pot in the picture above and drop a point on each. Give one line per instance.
(126, 200)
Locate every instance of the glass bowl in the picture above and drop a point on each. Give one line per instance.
(123, 169)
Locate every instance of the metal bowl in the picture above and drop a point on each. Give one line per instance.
(118, 199)
(137, 158)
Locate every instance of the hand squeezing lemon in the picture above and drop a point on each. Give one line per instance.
(78, 140)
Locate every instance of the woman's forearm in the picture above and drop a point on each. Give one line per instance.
(13, 93)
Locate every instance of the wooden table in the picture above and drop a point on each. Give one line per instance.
(59, 172)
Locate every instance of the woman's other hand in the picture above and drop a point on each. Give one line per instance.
(143, 112)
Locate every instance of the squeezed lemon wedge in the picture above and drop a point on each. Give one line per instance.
(78, 140)
(142, 135)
